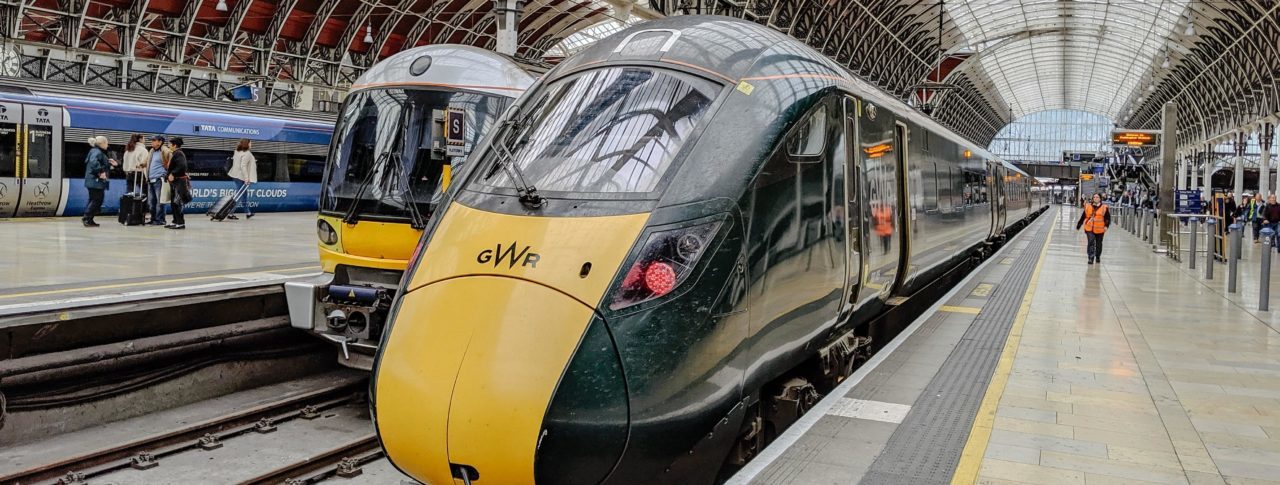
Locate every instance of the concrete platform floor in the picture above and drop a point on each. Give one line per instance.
(1136, 370)
(57, 258)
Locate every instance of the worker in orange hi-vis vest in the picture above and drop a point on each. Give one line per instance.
(882, 214)
(1095, 219)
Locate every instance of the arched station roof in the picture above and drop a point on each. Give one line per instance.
(1122, 59)
(317, 41)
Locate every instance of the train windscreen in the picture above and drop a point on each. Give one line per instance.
(391, 146)
(610, 130)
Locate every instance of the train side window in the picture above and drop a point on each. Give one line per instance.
(303, 168)
(806, 144)
(73, 155)
(8, 149)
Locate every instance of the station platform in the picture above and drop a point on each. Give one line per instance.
(57, 263)
(1039, 368)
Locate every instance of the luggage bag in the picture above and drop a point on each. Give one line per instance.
(133, 206)
(227, 204)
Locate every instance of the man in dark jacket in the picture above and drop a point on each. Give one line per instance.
(179, 184)
(1271, 218)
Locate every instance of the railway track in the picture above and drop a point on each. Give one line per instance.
(146, 452)
(343, 461)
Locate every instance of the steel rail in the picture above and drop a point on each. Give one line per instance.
(331, 458)
(141, 453)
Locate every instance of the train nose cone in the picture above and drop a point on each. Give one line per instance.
(469, 373)
(585, 429)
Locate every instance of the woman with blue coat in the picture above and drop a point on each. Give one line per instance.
(97, 165)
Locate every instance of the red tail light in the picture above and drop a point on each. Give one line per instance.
(664, 262)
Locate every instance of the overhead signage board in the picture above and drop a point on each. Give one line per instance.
(1134, 138)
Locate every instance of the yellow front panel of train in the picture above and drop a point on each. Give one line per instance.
(467, 377)
(479, 343)
(381, 240)
(550, 250)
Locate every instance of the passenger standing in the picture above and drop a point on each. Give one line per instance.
(97, 165)
(244, 170)
(1229, 209)
(1251, 213)
(1095, 219)
(135, 163)
(1270, 218)
(179, 184)
(157, 169)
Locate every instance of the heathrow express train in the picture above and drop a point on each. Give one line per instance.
(671, 246)
(43, 148)
(407, 124)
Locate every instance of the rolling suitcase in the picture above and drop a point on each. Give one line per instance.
(227, 204)
(133, 206)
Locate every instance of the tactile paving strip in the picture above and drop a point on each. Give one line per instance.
(926, 447)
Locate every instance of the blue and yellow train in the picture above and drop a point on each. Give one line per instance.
(672, 244)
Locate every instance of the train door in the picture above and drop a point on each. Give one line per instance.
(1002, 198)
(10, 155)
(905, 208)
(40, 166)
(852, 207)
(877, 140)
(993, 189)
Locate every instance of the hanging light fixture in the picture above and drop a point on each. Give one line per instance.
(368, 34)
(1191, 26)
(1165, 64)
(221, 6)
(1151, 88)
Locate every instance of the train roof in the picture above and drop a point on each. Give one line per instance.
(157, 119)
(452, 66)
(733, 51)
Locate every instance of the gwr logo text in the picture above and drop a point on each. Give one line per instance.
(509, 255)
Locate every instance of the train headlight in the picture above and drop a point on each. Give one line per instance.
(326, 233)
(665, 261)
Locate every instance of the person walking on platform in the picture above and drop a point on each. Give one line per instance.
(96, 167)
(244, 170)
(1095, 219)
(1229, 209)
(1251, 213)
(157, 169)
(135, 162)
(179, 184)
(1271, 218)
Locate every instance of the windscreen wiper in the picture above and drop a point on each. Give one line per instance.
(352, 214)
(514, 134)
(416, 219)
(528, 194)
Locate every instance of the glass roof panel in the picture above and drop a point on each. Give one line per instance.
(1089, 55)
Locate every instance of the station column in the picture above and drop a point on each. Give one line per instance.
(1206, 190)
(1241, 141)
(1264, 162)
(1169, 164)
(508, 14)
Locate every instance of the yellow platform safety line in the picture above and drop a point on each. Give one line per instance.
(152, 282)
(976, 447)
(960, 309)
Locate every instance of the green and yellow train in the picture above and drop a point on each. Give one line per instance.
(669, 248)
